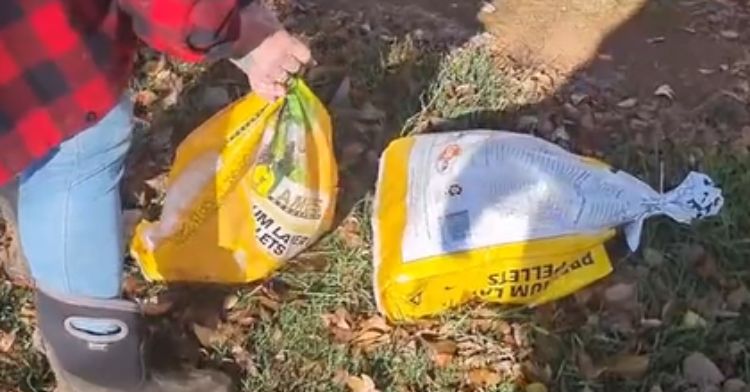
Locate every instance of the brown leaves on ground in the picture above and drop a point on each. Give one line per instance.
(703, 262)
(627, 366)
(362, 383)
(371, 333)
(7, 339)
(738, 297)
(350, 232)
(311, 262)
(441, 352)
(484, 378)
(485, 358)
(586, 366)
(699, 370)
(339, 324)
(366, 334)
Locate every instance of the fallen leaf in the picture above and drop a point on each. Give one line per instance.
(701, 371)
(363, 383)
(376, 323)
(726, 314)
(730, 34)
(156, 306)
(665, 91)
(339, 325)
(736, 348)
(734, 385)
(277, 336)
(242, 317)
(578, 98)
(656, 40)
(205, 335)
(622, 318)
(628, 103)
(230, 301)
(629, 366)
(312, 261)
(651, 323)
(738, 298)
(534, 371)
(6, 341)
(339, 318)
(369, 339)
(693, 320)
(586, 367)
(350, 232)
(706, 71)
(244, 359)
(133, 287)
(703, 262)
(709, 305)
(588, 121)
(269, 303)
(484, 377)
(655, 388)
(571, 111)
(653, 257)
(620, 292)
(536, 387)
(442, 352)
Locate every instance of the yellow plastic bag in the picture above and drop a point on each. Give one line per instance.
(507, 218)
(249, 189)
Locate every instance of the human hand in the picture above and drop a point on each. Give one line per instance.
(270, 65)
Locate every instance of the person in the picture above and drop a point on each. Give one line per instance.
(65, 128)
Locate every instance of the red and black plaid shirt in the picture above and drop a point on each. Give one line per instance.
(65, 63)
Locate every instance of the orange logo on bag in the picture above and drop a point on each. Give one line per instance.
(449, 154)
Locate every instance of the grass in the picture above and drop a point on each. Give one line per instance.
(22, 368)
(291, 348)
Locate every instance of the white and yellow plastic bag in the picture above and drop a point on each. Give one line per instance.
(504, 217)
(249, 189)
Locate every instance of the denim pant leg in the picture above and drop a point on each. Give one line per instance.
(69, 210)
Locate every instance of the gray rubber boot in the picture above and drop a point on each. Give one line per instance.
(12, 259)
(113, 362)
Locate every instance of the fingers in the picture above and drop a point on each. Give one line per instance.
(300, 51)
(279, 75)
(291, 65)
(275, 61)
(269, 91)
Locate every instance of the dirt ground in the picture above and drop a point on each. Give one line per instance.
(610, 50)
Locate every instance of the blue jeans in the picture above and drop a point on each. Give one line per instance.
(69, 211)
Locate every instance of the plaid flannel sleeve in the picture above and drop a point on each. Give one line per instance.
(192, 30)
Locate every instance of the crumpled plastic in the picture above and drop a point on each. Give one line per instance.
(249, 189)
(504, 217)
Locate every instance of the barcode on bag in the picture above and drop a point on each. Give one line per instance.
(457, 226)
